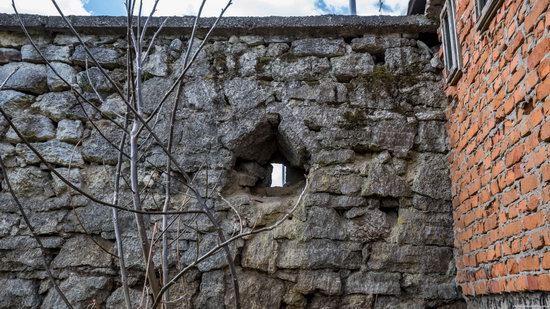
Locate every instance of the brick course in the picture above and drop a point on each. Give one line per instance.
(499, 131)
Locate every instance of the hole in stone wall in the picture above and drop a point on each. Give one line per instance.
(430, 39)
(278, 175)
(267, 163)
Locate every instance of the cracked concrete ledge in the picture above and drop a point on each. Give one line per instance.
(337, 25)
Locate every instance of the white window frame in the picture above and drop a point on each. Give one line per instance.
(451, 47)
(486, 12)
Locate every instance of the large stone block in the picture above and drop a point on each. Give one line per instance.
(409, 258)
(319, 47)
(54, 152)
(28, 77)
(308, 68)
(373, 283)
(106, 57)
(50, 52)
(75, 253)
(319, 253)
(34, 128)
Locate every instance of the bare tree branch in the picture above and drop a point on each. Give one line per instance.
(27, 221)
(230, 240)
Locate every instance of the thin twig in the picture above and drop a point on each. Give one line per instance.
(26, 218)
(230, 240)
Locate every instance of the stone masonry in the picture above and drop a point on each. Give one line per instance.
(356, 106)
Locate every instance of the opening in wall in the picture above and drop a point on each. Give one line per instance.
(485, 11)
(278, 175)
(451, 47)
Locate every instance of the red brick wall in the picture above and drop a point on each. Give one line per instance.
(499, 130)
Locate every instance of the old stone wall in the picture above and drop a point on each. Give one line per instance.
(360, 114)
(499, 132)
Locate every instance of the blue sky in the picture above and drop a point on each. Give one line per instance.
(212, 8)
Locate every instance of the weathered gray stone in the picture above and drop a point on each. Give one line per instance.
(113, 106)
(276, 49)
(245, 94)
(97, 149)
(432, 136)
(248, 61)
(13, 39)
(319, 253)
(430, 287)
(400, 58)
(81, 291)
(73, 175)
(261, 253)
(432, 178)
(308, 68)
(408, 258)
(116, 300)
(383, 180)
(14, 103)
(19, 293)
(254, 294)
(200, 94)
(45, 223)
(353, 65)
(65, 71)
(324, 223)
(325, 281)
(154, 89)
(319, 47)
(376, 44)
(30, 181)
(212, 291)
(7, 224)
(252, 40)
(390, 131)
(157, 63)
(69, 131)
(34, 128)
(50, 52)
(334, 157)
(60, 105)
(106, 57)
(53, 151)
(357, 301)
(8, 55)
(93, 78)
(28, 77)
(373, 224)
(373, 283)
(334, 201)
(334, 180)
(75, 254)
(216, 261)
(418, 227)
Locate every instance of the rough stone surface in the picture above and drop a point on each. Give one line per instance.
(50, 52)
(106, 57)
(359, 112)
(34, 128)
(65, 74)
(69, 131)
(28, 77)
(9, 54)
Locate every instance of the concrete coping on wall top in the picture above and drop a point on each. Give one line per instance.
(340, 25)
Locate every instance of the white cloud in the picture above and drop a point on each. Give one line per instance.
(238, 8)
(212, 7)
(44, 7)
(264, 7)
